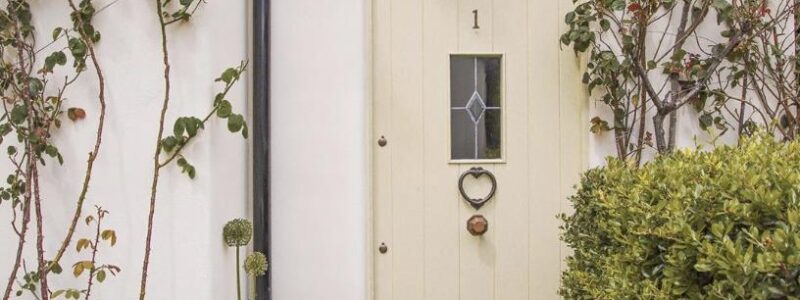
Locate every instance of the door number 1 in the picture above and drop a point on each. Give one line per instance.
(475, 14)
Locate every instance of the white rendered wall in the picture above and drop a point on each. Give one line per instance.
(189, 260)
(319, 161)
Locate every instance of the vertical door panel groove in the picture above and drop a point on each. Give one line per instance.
(441, 207)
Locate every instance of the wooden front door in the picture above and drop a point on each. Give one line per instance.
(463, 84)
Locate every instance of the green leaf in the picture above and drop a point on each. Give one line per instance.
(87, 264)
(187, 168)
(720, 4)
(706, 120)
(678, 55)
(101, 276)
(56, 268)
(224, 109)
(82, 244)
(599, 125)
(179, 127)
(56, 58)
(110, 235)
(77, 269)
(36, 86)
(605, 25)
(229, 76)
(192, 125)
(235, 122)
(18, 114)
(570, 17)
(618, 5)
(169, 143)
(77, 47)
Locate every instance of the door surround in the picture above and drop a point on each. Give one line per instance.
(573, 132)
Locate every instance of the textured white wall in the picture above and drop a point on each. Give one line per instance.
(189, 260)
(319, 161)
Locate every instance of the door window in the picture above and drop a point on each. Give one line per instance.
(475, 104)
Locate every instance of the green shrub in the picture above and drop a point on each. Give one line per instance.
(690, 225)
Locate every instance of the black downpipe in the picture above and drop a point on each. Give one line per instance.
(261, 140)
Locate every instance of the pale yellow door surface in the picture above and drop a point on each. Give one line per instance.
(418, 213)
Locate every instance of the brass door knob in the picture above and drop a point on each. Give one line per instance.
(383, 248)
(477, 225)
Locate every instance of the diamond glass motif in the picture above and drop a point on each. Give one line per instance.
(475, 107)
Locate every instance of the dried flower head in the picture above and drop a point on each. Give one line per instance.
(256, 264)
(237, 232)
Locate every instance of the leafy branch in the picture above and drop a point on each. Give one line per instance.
(649, 59)
(185, 129)
(81, 17)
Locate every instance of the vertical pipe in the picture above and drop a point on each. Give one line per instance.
(261, 139)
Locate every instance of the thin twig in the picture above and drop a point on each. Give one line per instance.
(101, 98)
(158, 150)
(95, 246)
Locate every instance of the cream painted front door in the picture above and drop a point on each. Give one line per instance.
(462, 84)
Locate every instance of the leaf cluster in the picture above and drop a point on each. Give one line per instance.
(723, 224)
(184, 9)
(649, 58)
(186, 129)
(96, 270)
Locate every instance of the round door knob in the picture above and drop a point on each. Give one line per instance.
(477, 225)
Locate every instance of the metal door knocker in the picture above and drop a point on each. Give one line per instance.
(477, 172)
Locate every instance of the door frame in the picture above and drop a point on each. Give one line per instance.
(573, 136)
(261, 138)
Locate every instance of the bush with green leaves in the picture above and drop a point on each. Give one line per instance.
(723, 224)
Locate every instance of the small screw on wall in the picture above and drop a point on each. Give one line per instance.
(382, 141)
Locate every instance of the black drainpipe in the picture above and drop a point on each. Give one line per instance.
(261, 140)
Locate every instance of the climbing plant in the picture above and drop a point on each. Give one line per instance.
(169, 149)
(35, 78)
(729, 64)
(34, 105)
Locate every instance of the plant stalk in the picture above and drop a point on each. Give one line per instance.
(238, 276)
(92, 155)
(45, 291)
(26, 217)
(157, 154)
(95, 246)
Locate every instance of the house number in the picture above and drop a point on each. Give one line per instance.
(475, 14)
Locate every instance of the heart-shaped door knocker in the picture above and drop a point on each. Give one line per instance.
(477, 172)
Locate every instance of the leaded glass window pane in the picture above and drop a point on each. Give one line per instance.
(475, 107)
